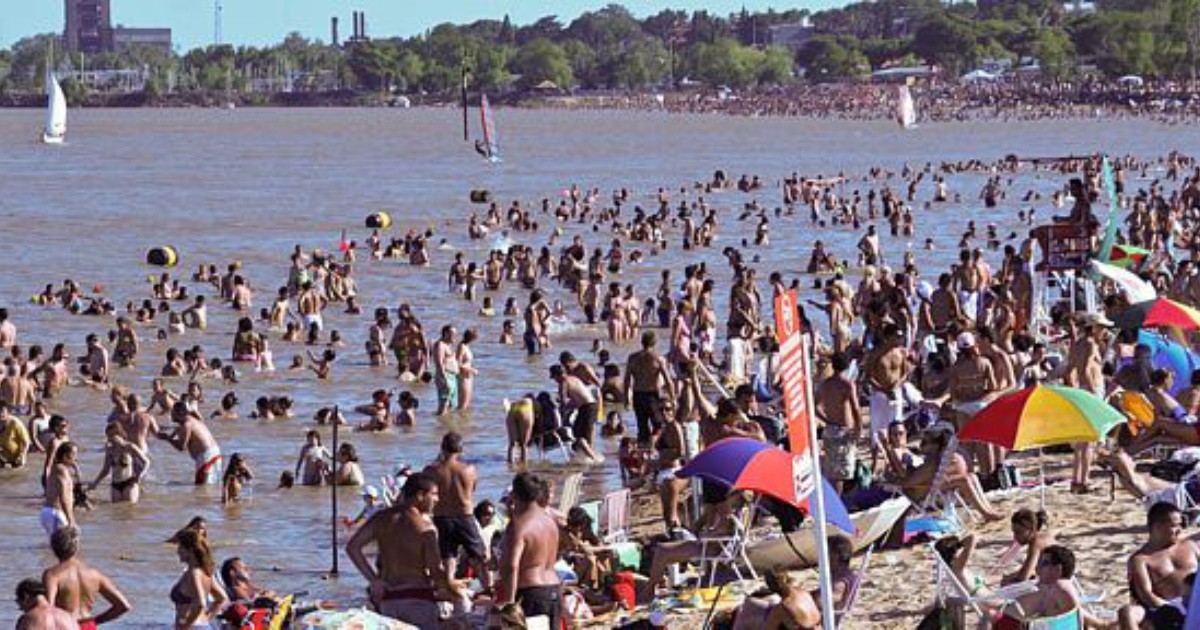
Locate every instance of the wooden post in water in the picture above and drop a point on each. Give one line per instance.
(466, 124)
(333, 488)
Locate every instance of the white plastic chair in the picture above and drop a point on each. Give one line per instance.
(730, 550)
(614, 516)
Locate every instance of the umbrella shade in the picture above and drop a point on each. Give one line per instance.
(1134, 288)
(745, 464)
(1127, 255)
(1043, 415)
(1159, 312)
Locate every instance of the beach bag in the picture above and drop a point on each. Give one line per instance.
(936, 619)
(1172, 470)
(1005, 477)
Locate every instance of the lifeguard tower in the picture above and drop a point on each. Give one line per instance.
(1058, 279)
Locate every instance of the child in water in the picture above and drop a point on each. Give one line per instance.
(237, 474)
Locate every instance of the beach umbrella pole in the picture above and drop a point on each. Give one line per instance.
(333, 497)
(1042, 476)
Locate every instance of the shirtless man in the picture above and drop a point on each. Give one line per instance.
(969, 280)
(453, 516)
(8, 332)
(1157, 570)
(37, 613)
(972, 381)
(193, 435)
(887, 369)
(96, 364)
(137, 425)
(16, 390)
(530, 549)
(58, 508)
(310, 304)
(404, 586)
(73, 586)
(574, 394)
(944, 308)
(446, 370)
(837, 406)
(646, 374)
(1085, 370)
(868, 246)
(196, 315)
(537, 315)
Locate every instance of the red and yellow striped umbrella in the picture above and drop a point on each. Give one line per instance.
(1043, 415)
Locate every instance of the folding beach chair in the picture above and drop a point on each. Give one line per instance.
(614, 516)
(952, 594)
(568, 491)
(860, 575)
(729, 550)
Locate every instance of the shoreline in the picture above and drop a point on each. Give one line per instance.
(677, 104)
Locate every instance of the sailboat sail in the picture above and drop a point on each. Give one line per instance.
(55, 130)
(906, 111)
(490, 147)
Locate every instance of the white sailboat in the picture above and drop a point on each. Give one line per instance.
(906, 110)
(55, 131)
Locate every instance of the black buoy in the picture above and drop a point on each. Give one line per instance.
(165, 256)
(480, 195)
(379, 221)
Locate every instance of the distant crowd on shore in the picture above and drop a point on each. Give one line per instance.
(936, 101)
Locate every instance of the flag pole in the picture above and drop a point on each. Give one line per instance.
(828, 621)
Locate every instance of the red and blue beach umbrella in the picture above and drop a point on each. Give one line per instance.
(746, 464)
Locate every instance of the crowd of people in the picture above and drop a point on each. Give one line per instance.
(1003, 98)
(904, 351)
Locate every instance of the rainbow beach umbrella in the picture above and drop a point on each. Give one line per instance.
(1158, 312)
(1043, 415)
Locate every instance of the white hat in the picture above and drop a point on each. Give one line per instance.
(924, 289)
(370, 491)
(966, 340)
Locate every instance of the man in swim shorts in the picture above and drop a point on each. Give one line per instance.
(454, 514)
(58, 509)
(530, 549)
(445, 370)
(310, 304)
(404, 579)
(192, 435)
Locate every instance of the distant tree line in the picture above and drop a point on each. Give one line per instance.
(611, 49)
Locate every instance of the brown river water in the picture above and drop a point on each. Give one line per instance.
(250, 184)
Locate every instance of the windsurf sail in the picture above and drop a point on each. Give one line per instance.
(490, 146)
(906, 111)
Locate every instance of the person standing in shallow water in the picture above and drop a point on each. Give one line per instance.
(466, 369)
(446, 371)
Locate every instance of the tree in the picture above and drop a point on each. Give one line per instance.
(947, 41)
(373, 63)
(1053, 51)
(645, 62)
(776, 66)
(831, 58)
(726, 62)
(543, 60)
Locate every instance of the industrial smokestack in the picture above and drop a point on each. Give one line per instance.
(363, 28)
(333, 30)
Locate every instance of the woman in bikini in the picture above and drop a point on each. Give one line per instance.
(196, 595)
(125, 462)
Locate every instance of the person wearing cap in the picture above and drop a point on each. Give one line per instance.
(192, 435)
(972, 379)
(373, 502)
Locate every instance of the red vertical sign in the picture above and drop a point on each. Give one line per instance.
(797, 394)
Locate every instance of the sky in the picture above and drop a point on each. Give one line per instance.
(259, 22)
